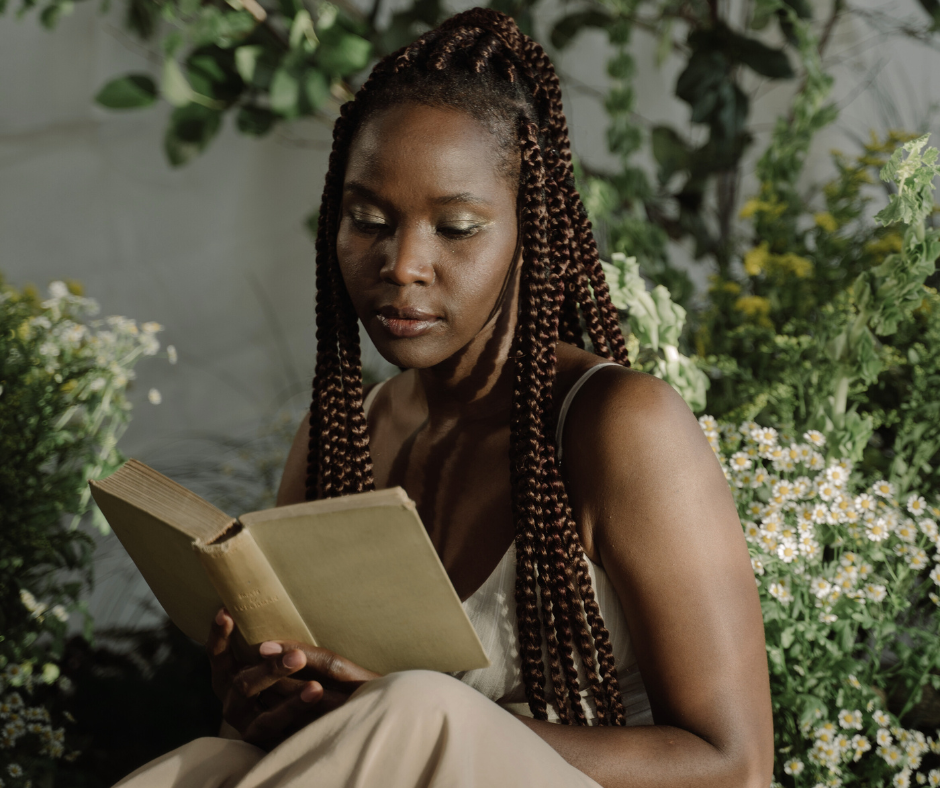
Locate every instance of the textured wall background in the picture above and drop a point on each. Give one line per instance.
(217, 251)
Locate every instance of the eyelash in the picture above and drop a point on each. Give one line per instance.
(451, 233)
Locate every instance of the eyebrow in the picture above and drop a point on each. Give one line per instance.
(467, 198)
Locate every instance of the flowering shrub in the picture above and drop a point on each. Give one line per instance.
(63, 405)
(850, 590)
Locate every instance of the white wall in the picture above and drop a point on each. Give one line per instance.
(87, 194)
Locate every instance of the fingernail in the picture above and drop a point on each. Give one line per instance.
(310, 693)
(294, 659)
(269, 649)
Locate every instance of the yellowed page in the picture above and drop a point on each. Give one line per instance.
(368, 582)
(157, 521)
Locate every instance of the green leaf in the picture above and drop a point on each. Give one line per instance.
(254, 121)
(566, 28)
(128, 92)
(173, 86)
(49, 17)
(212, 72)
(316, 88)
(285, 91)
(760, 58)
(344, 54)
(670, 151)
(191, 129)
(246, 61)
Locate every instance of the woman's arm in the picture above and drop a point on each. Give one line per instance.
(657, 512)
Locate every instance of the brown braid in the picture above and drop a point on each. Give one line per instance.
(479, 62)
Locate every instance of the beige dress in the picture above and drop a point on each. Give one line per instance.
(419, 729)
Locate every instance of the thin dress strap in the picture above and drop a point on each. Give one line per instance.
(370, 397)
(569, 398)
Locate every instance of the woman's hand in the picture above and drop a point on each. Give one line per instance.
(292, 685)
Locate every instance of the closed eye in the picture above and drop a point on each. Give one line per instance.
(368, 225)
(456, 232)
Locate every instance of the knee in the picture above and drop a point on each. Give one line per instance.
(425, 691)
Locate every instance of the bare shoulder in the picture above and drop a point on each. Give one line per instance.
(632, 445)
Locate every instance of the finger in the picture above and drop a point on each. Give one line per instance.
(286, 687)
(221, 659)
(250, 681)
(290, 713)
(323, 664)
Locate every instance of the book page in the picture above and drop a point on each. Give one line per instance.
(157, 521)
(368, 582)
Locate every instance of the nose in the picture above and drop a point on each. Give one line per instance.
(409, 259)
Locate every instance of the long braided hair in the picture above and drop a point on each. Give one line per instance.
(480, 62)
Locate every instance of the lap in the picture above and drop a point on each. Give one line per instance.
(414, 729)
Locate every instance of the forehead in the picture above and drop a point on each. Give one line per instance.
(432, 148)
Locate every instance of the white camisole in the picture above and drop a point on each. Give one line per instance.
(492, 611)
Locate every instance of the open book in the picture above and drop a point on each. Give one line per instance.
(357, 575)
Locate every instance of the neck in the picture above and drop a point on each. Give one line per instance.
(476, 383)
(475, 386)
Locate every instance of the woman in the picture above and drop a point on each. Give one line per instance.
(613, 590)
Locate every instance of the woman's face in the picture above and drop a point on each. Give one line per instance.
(428, 230)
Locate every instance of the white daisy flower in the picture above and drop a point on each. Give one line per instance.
(836, 475)
(828, 618)
(754, 509)
(850, 719)
(794, 766)
(781, 591)
(883, 737)
(826, 490)
(883, 489)
(171, 354)
(906, 531)
(935, 574)
(902, 779)
(154, 396)
(875, 592)
(917, 559)
(788, 551)
(819, 513)
(916, 505)
(881, 719)
(865, 502)
(815, 437)
(929, 529)
(766, 436)
(878, 530)
(751, 531)
(740, 461)
(757, 565)
(58, 289)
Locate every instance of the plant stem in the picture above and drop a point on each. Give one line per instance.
(841, 397)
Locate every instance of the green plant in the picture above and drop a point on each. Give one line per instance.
(63, 405)
(819, 333)
(849, 581)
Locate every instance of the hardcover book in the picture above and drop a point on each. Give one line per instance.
(357, 574)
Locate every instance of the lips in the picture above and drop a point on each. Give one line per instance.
(407, 322)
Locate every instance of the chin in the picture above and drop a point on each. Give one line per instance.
(409, 353)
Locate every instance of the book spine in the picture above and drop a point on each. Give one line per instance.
(251, 591)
